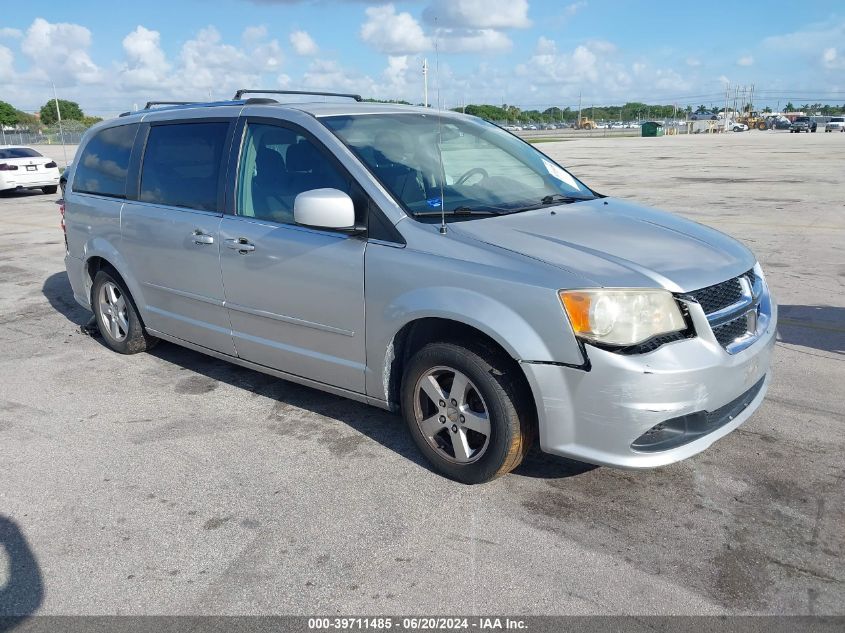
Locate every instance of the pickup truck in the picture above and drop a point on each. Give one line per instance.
(803, 124)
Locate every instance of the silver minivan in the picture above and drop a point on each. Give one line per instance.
(425, 262)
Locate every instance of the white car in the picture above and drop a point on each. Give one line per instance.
(24, 168)
(836, 124)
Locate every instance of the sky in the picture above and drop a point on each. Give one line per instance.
(111, 56)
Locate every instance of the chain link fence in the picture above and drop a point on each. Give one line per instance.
(50, 135)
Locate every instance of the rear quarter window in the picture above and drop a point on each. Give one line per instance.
(101, 168)
(182, 164)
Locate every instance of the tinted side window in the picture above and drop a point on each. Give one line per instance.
(102, 167)
(277, 164)
(182, 165)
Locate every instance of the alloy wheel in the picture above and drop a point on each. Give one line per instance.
(452, 415)
(113, 312)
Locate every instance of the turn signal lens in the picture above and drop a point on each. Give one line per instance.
(621, 316)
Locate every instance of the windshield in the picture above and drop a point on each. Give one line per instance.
(18, 152)
(466, 164)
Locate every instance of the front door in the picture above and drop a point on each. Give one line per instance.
(295, 295)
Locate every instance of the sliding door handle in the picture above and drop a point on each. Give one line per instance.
(242, 245)
(202, 238)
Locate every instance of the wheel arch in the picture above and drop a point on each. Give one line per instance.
(417, 333)
(100, 254)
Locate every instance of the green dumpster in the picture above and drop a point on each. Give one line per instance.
(652, 128)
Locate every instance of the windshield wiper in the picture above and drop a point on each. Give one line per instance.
(458, 211)
(555, 198)
(559, 197)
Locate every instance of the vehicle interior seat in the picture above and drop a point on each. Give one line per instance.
(269, 185)
(393, 167)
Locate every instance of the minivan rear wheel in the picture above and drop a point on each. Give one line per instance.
(117, 317)
(466, 412)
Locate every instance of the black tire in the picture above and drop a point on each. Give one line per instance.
(136, 338)
(51, 189)
(509, 411)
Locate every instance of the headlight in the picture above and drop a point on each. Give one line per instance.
(621, 317)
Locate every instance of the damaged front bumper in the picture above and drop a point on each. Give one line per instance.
(653, 409)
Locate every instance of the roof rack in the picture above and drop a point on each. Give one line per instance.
(241, 93)
(150, 104)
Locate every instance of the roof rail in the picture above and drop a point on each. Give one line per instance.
(241, 93)
(150, 104)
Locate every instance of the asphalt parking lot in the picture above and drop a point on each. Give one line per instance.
(173, 483)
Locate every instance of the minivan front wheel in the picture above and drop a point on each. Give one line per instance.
(466, 412)
(117, 318)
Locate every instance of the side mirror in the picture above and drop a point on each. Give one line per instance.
(324, 209)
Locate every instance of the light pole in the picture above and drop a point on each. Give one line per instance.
(59, 116)
(425, 82)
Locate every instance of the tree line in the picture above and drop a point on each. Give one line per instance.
(631, 111)
(10, 116)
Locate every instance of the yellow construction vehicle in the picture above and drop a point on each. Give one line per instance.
(754, 120)
(586, 124)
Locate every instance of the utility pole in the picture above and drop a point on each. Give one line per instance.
(579, 110)
(59, 115)
(425, 82)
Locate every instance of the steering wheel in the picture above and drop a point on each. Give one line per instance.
(467, 175)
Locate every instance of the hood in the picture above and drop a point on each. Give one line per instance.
(611, 243)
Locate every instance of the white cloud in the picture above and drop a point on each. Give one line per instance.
(7, 69)
(58, 52)
(745, 60)
(571, 9)
(303, 44)
(207, 64)
(545, 46)
(472, 40)
(810, 38)
(818, 43)
(10, 34)
(147, 66)
(693, 62)
(254, 34)
(478, 14)
(393, 33)
(588, 63)
(328, 75)
(597, 69)
(832, 60)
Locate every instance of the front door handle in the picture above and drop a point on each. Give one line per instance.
(202, 238)
(241, 245)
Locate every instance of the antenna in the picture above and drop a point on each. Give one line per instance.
(439, 129)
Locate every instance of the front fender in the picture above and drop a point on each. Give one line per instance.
(520, 338)
(495, 319)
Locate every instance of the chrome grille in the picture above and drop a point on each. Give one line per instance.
(722, 295)
(737, 310)
(728, 332)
